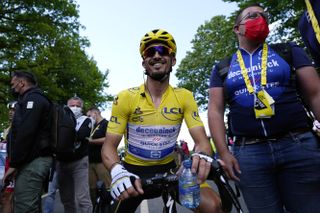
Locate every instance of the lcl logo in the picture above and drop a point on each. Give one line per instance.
(172, 110)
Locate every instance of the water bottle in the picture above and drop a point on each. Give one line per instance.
(189, 189)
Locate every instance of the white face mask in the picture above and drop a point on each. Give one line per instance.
(77, 111)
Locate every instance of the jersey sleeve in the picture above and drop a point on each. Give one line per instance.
(299, 57)
(191, 113)
(120, 114)
(215, 78)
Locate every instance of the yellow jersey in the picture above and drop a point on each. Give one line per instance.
(151, 133)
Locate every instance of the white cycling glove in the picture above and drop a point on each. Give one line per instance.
(316, 126)
(120, 180)
(203, 156)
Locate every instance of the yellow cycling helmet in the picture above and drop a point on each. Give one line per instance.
(158, 36)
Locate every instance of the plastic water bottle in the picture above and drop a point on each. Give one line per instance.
(189, 189)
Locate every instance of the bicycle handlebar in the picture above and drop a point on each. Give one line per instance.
(227, 194)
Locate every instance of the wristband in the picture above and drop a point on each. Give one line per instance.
(203, 156)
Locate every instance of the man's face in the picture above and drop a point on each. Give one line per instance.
(252, 13)
(157, 59)
(17, 84)
(11, 114)
(74, 103)
(92, 114)
(249, 14)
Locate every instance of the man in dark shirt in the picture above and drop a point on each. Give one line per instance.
(97, 171)
(29, 139)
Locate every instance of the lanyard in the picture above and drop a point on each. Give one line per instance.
(314, 21)
(95, 129)
(244, 71)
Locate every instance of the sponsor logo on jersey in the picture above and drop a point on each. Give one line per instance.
(172, 114)
(149, 130)
(257, 67)
(137, 119)
(114, 119)
(137, 111)
(195, 116)
(134, 89)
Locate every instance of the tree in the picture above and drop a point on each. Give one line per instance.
(214, 40)
(43, 37)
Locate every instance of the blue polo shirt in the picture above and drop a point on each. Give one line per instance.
(289, 112)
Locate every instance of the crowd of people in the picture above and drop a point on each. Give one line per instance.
(30, 158)
(273, 155)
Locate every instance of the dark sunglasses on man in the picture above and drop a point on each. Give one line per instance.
(151, 51)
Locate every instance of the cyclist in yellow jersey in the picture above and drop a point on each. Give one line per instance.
(150, 118)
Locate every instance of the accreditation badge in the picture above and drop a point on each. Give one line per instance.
(263, 105)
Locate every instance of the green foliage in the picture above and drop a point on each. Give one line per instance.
(43, 37)
(212, 42)
(215, 40)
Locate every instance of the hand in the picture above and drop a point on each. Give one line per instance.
(201, 163)
(230, 165)
(316, 127)
(121, 186)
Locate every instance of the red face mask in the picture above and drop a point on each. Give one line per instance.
(256, 29)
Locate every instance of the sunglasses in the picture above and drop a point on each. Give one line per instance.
(255, 15)
(151, 51)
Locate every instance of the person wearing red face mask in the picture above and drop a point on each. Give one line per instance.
(275, 159)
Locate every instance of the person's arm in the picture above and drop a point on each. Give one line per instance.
(202, 146)
(109, 152)
(217, 130)
(97, 141)
(121, 186)
(120, 178)
(202, 155)
(310, 86)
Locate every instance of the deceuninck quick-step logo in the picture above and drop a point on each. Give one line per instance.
(257, 67)
(149, 130)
